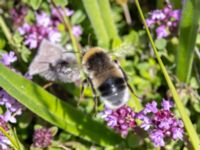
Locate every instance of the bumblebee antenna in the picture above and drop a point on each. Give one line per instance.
(70, 52)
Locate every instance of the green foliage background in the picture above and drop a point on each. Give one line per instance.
(151, 72)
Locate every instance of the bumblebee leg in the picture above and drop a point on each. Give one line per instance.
(125, 78)
(83, 84)
(96, 98)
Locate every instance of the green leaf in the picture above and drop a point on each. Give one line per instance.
(61, 2)
(160, 43)
(22, 49)
(35, 4)
(2, 40)
(196, 106)
(54, 110)
(77, 17)
(94, 14)
(25, 53)
(106, 14)
(17, 38)
(63, 137)
(54, 130)
(14, 133)
(132, 37)
(198, 39)
(116, 42)
(188, 33)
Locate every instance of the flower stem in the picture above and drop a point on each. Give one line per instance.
(127, 14)
(6, 31)
(73, 39)
(68, 27)
(187, 122)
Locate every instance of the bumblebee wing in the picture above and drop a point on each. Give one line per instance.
(46, 63)
(70, 73)
(122, 50)
(49, 75)
(48, 53)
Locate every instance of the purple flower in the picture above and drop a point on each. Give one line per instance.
(177, 133)
(69, 12)
(157, 15)
(77, 31)
(151, 107)
(176, 14)
(150, 22)
(8, 117)
(167, 9)
(24, 28)
(147, 122)
(32, 41)
(66, 11)
(42, 138)
(111, 121)
(54, 36)
(9, 58)
(11, 105)
(121, 119)
(43, 19)
(166, 123)
(3, 123)
(160, 124)
(18, 14)
(164, 21)
(162, 32)
(44, 27)
(4, 143)
(157, 137)
(166, 104)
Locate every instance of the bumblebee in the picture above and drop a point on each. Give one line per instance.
(106, 77)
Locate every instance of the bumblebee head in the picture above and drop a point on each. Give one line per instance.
(95, 59)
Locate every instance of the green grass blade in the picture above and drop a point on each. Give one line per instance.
(176, 3)
(14, 143)
(188, 33)
(55, 111)
(94, 14)
(106, 13)
(184, 116)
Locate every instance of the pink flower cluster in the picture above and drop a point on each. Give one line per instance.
(44, 26)
(165, 21)
(42, 138)
(160, 123)
(121, 120)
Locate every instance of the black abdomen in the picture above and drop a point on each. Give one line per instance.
(111, 86)
(114, 92)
